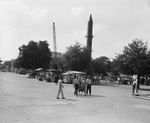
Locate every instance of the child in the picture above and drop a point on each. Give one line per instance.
(60, 90)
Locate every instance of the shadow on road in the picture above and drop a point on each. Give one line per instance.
(70, 100)
(145, 89)
(97, 96)
(113, 85)
(144, 97)
(90, 96)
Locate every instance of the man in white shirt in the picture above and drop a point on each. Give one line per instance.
(60, 90)
(134, 84)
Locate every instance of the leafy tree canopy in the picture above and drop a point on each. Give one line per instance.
(34, 55)
(134, 59)
(1, 61)
(75, 57)
(101, 65)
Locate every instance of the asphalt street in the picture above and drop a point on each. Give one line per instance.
(25, 100)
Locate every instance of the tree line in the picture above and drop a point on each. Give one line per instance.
(135, 59)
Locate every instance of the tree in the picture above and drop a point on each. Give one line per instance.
(101, 65)
(7, 65)
(134, 59)
(75, 57)
(34, 55)
(1, 61)
(1, 65)
(44, 54)
(114, 67)
(148, 62)
(85, 60)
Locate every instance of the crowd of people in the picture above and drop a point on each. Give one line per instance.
(81, 86)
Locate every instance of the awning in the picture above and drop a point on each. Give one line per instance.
(39, 69)
(110, 74)
(73, 72)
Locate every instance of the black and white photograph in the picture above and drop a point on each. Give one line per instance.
(74, 61)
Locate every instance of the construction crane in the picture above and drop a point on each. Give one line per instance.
(54, 40)
(57, 67)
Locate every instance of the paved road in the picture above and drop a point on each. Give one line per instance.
(24, 100)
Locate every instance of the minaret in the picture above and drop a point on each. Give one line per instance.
(89, 33)
(89, 44)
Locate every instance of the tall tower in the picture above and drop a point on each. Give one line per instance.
(89, 33)
(54, 40)
(89, 44)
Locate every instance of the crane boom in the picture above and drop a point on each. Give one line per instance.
(54, 40)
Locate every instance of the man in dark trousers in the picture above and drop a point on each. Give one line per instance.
(76, 85)
(89, 85)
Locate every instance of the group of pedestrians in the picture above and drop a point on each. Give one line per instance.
(82, 85)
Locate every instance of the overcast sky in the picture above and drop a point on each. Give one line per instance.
(115, 24)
